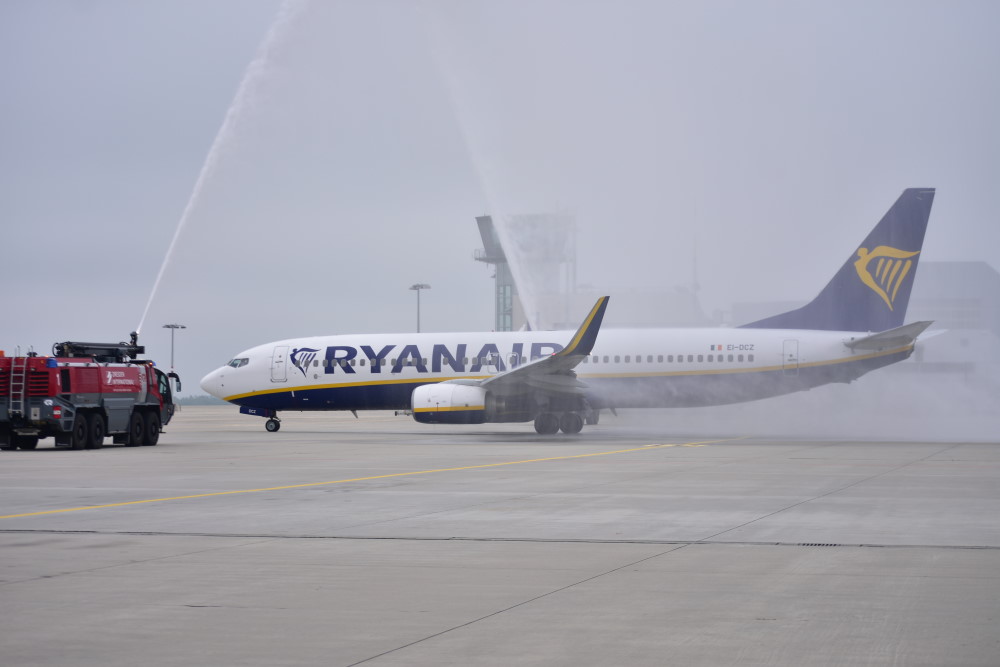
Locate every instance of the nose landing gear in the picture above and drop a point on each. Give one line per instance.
(273, 424)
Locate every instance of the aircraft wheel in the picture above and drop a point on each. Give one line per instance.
(593, 417)
(78, 436)
(272, 425)
(571, 422)
(95, 431)
(546, 423)
(152, 429)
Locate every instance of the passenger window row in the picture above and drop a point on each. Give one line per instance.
(670, 359)
(488, 361)
(325, 363)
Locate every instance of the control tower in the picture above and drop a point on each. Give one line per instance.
(492, 253)
(539, 289)
(536, 281)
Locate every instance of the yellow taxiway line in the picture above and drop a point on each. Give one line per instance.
(364, 479)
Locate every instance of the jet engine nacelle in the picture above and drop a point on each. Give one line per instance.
(447, 403)
(452, 403)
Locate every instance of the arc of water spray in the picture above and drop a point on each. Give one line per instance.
(245, 95)
(434, 32)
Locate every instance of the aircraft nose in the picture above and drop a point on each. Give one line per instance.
(212, 383)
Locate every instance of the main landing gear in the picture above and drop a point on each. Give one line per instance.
(272, 425)
(548, 423)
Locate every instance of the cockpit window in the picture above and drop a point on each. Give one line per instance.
(236, 363)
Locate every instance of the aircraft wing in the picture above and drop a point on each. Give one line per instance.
(555, 372)
(898, 337)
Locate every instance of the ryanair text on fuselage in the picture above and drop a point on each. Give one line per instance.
(348, 359)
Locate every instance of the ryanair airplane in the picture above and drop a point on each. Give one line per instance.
(561, 380)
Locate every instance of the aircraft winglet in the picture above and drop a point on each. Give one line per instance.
(585, 337)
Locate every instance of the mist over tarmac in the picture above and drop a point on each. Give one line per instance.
(886, 405)
(745, 146)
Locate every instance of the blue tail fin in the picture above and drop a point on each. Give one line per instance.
(872, 289)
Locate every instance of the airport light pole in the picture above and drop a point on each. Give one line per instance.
(416, 288)
(173, 328)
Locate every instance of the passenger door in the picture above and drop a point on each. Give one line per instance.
(790, 357)
(279, 364)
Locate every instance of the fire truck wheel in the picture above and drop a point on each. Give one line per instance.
(136, 429)
(78, 437)
(96, 439)
(152, 429)
(6, 440)
(27, 441)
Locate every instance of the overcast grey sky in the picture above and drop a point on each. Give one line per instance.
(771, 134)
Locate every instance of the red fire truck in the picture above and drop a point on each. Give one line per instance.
(83, 393)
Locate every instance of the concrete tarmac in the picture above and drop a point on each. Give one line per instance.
(379, 541)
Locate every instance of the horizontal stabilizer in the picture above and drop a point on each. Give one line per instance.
(898, 337)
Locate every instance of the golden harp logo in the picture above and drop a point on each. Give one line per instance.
(891, 268)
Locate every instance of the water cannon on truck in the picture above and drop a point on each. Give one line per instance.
(82, 394)
(102, 352)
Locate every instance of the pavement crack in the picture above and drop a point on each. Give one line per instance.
(516, 606)
(124, 563)
(831, 492)
(261, 538)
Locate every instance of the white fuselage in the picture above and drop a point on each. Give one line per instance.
(627, 368)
